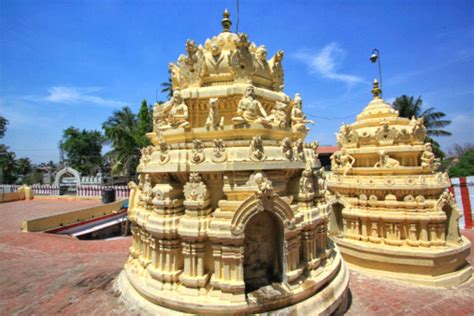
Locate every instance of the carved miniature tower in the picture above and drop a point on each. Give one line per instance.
(228, 216)
(391, 212)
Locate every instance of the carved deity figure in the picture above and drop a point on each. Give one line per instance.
(191, 64)
(298, 150)
(306, 182)
(428, 159)
(287, 148)
(214, 119)
(146, 154)
(419, 130)
(278, 115)
(346, 161)
(261, 67)
(214, 61)
(146, 195)
(263, 185)
(386, 162)
(256, 148)
(177, 111)
(298, 118)
(159, 118)
(250, 110)
(277, 70)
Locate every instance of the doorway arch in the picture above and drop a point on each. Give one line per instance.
(263, 251)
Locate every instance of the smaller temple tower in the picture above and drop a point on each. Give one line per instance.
(391, 211)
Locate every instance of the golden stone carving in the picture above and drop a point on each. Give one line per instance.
(218, 220)
(390, 211)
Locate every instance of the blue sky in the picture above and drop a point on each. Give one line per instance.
(68, 62)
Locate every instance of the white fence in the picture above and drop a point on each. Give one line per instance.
(121, 191)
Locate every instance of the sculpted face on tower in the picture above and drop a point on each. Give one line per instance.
(215, 48)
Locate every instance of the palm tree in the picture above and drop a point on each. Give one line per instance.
(7, 165)
(408, 106)
(3, 126)
(167, 87)
(23, 166)
(120, 131)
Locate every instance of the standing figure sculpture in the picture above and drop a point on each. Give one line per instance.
(346, 161)
(298, 118)
(250, 110)
(213, 118)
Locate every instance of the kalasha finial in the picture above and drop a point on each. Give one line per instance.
(226, 22)
(376, 91)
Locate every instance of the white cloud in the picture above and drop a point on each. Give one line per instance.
(71, 95)
(326, 63)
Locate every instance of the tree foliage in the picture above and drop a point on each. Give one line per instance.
(7, 165)
(126, 133)
(3, 126)
(464, 166)
(167, 87)
(83, 149)
(408, 106)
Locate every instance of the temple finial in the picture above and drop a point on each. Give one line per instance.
(226, 22)
(376, 91)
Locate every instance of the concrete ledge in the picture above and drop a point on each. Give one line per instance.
(436, 266)
(54, 221)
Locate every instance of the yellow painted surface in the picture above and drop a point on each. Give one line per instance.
(54, 221)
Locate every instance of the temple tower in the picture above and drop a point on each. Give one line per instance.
(229, 214)
(390, 210)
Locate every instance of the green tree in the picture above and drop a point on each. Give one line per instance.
(3, 126)
(167, 87)
(7, 165)
(83, 149)
(23, 166)
(408, 106)
(126, 131)
(465, 165)
(144, 124)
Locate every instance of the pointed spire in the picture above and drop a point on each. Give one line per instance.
(226, 22)
(376, 91)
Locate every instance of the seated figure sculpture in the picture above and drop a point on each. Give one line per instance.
(278, 116)
(250, 110)
(428, 159)
(176, 112)
(386, 162)
(298, 118)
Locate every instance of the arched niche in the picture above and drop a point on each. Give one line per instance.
(336, 223)
(263, 251)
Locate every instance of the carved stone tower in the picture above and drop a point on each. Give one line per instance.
(228, 216)
(391, 212)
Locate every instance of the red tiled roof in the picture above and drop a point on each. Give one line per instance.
(326, 149)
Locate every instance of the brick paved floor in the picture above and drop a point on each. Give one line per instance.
(46, 274)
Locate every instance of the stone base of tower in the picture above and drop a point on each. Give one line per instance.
(436, 266)
(324, 292)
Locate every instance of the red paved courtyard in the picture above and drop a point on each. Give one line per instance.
(47, 274)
